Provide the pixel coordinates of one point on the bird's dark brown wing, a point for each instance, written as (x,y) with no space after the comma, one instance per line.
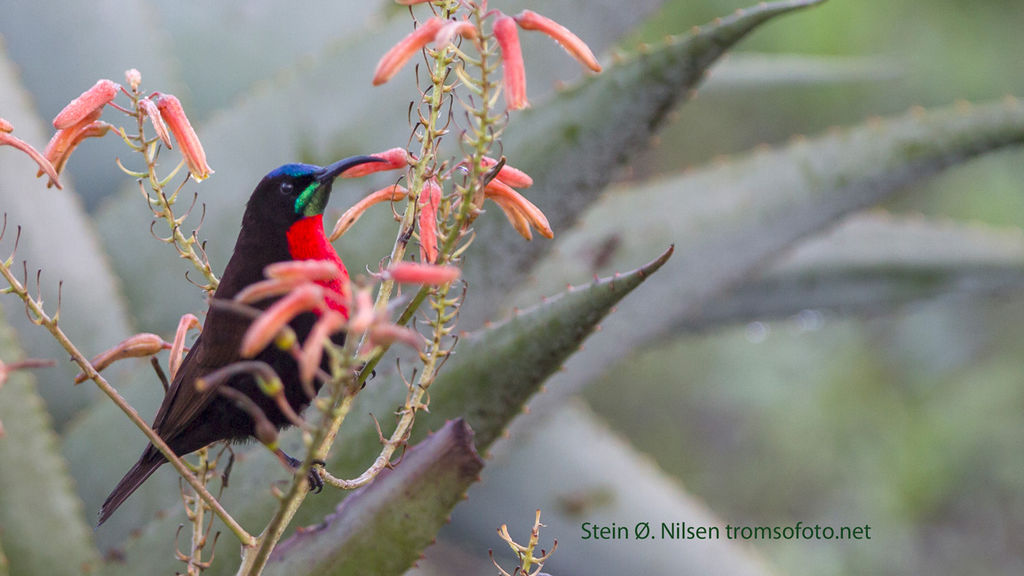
(216,347)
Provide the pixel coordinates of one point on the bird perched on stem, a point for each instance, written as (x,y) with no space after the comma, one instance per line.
(283,221)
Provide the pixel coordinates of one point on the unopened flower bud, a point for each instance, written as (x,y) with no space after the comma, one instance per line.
(137,346)
(133,78)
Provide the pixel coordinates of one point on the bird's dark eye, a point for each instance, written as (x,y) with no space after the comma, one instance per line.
(287,189)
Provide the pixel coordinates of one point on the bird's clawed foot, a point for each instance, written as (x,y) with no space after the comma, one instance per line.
(316,481)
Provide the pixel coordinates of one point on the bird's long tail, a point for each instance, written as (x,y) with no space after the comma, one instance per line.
(151,460)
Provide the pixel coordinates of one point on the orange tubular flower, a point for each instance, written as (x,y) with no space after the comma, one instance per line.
(8,139)
(394,159)
(400,53)
(390,194)
(430,200)
(65,141)
(578,49)
(513,202)
(308,270)
(173,114)
(137,346)
(385,334)
(265,328)
(507,35)
(449,31)
(153,113)
(92,100)
(414,273)
(313,349)
(187,322)
(514,177)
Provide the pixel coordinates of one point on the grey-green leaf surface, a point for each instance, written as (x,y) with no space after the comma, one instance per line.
(56,236)
(592,475)
(4,565)
(751,70)
(573,144)
(41,518)
(870,264)
(730,219)
(487,383)
(382,528)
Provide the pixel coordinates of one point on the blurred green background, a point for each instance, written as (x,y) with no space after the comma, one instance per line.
(907,418)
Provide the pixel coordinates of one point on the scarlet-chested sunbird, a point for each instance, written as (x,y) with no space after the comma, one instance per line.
(283,221)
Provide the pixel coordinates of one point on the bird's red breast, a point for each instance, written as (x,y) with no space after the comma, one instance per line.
(307,241)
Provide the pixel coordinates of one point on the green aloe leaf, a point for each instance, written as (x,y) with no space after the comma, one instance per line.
(382,528)
(4,565)
(728,220)
(573,144)
(39,509)
(872,263)
(750,70)
(487,383)
(57,236)
(592,475)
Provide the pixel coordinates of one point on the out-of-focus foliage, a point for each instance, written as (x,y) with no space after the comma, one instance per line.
(861,376)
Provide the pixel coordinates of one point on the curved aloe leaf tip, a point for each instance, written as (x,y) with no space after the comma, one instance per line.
(499,368)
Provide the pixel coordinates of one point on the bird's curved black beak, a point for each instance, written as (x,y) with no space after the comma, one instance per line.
(329,173)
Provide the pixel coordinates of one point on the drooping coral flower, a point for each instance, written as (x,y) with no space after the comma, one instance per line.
(520,212)
(392,193)
(64,141)
(394,159)
(153,113)
(137,346)
(418,273)
(400,53)
(507,35)
(429,202)
(8,139)
(92,100)
(514,177)
(191,148)
(578,49)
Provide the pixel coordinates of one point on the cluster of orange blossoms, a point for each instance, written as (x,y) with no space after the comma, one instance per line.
(440,32)
(80,119)
(304,287)
(521,213)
